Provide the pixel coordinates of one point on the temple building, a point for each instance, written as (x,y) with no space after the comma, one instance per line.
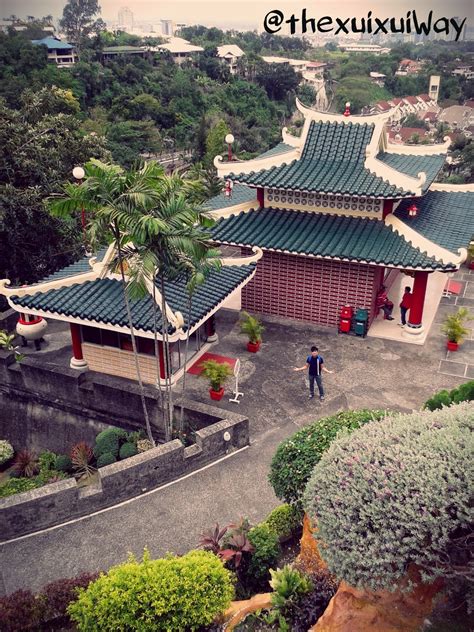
(338,212)
(88,295)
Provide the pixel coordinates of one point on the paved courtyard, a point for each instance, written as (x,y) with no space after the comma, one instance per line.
(368,372)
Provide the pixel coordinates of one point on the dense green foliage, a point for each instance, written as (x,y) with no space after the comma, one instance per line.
(394,493)
(295,458)
(265,555)
(106,458)
(63,463)
(463,393)
(6,451)
(284,520)
(109,440)
(170,594)
(128,449)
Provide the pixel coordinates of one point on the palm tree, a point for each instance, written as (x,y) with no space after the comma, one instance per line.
(171,253)
(117,204)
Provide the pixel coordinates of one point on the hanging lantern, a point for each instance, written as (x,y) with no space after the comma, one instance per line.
(347,111)
(229,185)
(412,210)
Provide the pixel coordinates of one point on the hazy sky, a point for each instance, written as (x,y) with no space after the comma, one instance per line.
(244,13)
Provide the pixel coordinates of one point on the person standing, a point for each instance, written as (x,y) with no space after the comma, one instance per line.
(405,305)
(315,366)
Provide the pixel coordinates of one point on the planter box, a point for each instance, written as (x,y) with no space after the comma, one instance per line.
(452,346)
(216,395)
(253,347)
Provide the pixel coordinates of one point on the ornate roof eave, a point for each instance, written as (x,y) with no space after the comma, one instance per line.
(401,266)
(452,188)
(99,270)
(395,177)
(328,117)
(420,150)
(257,164)
(423,244)
(180,332)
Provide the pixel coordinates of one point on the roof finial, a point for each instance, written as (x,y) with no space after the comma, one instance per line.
(347,111)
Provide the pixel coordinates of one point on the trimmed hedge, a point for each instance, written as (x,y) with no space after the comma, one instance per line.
(295,458)
(396,493)
(284,520)
(63,463)
(107,458)
(127,450)
(463,393)
(109,440)
(169,594)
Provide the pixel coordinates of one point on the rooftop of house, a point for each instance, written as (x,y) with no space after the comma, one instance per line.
(52,43)
(178,45)
(229,50)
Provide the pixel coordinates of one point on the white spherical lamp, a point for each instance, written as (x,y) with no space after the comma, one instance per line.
(229,139)
(78,173)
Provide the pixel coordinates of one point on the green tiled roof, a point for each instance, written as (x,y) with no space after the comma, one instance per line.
(412,165)
(240,194)
(332,161)
(102,300)
(79,267)
(444,217)
(323,235)
(281,148)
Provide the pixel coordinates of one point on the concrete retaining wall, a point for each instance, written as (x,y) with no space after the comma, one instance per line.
(44,406)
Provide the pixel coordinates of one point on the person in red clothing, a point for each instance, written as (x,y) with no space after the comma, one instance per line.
(384,304)
(405,305)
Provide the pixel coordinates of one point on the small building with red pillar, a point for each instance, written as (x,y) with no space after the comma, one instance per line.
(337,213)
(88,295)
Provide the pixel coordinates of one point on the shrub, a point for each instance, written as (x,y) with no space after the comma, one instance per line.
(6,451)
(109,441)
(143,445)
(26,463)
(396,493)
(81,457)
(305,609)
(174,593)
(463,393)
(128,449)
(57,595)
(252,327)
(106,459)
(296,457)
(47,461)
(284,520)
(288,584)
(17,486)
(20,611)
(264,557)
(63,463)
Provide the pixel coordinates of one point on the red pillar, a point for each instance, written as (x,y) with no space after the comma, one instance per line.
(417,302)
(261,197)
(211,329)
(162,360)
(77,360)
(76,341)
(387,208)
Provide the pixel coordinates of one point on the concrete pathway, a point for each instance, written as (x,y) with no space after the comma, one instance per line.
(369,372)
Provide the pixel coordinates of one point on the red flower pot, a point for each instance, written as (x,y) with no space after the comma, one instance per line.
(452,346)
(216,395)
(253,347)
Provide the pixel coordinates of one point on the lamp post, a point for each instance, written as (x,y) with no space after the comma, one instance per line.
(412,210)
(347,111)
(79,173)
(229,139)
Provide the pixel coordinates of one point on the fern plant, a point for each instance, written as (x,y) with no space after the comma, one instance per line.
(252,327)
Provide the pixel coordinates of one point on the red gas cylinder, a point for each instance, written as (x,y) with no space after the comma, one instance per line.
(347,312)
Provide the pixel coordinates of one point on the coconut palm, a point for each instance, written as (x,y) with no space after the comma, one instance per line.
(117,205)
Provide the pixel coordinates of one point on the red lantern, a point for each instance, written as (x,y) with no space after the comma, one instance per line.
(229,185)
(412,210)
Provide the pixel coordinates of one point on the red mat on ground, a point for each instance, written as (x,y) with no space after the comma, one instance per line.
(196,368)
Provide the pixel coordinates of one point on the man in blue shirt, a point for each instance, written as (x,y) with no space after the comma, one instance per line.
(315,366)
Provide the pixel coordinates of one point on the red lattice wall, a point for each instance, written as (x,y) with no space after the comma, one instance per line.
(304,288)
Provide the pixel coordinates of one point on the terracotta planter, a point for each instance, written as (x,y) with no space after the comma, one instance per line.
(253,347)
(216,395)
(452,346)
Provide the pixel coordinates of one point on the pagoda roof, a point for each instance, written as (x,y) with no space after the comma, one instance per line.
(444,217)
(240,195)
(340,155)
(89,292)
(327,236)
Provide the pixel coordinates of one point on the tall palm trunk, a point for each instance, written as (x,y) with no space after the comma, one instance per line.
(157,350)
(132,334)
(166,350)
(181,412)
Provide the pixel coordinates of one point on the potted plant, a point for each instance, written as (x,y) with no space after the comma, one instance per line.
(251,326)
(454,328)
(217,374)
